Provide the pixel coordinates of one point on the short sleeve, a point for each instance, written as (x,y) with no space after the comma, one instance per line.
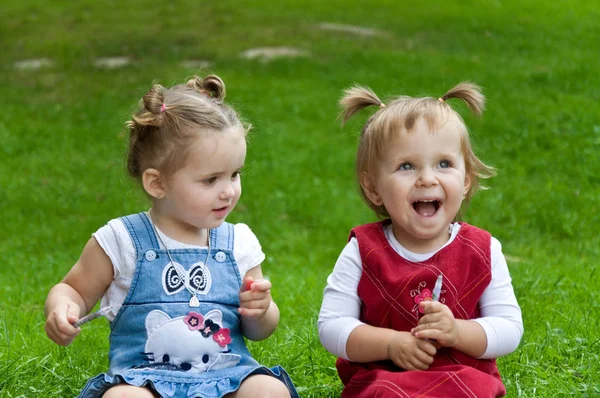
(246,249)
(118,246)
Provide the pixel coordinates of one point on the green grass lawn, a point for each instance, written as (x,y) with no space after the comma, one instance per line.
(62,149)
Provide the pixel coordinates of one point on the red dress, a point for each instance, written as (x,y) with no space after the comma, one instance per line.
(390,288)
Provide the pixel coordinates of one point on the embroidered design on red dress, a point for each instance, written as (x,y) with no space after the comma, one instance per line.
(422,294)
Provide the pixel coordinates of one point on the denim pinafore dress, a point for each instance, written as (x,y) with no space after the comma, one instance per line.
(158,340)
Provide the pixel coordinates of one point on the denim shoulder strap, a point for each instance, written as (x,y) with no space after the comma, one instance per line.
(222,237)
(141,231)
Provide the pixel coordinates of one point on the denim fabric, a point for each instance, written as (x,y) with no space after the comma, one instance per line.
(158,340)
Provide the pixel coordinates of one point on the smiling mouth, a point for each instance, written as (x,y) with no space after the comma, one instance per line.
(427,208)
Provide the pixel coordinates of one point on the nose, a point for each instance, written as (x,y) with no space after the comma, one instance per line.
(228,190)
(426,178)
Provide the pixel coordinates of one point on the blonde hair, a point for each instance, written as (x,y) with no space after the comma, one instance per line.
(401,115)
(168,119)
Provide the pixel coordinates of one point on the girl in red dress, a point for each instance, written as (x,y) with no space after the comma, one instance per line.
(396,334)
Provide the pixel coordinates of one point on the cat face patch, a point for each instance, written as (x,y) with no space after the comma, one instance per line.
(193,343)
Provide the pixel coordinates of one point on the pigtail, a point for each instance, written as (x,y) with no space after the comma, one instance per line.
(356,98)
(211,86)
(150,116)
(470,94)
(152,109)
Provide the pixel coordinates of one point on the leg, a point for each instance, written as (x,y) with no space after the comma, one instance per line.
(127,391)
(261,386)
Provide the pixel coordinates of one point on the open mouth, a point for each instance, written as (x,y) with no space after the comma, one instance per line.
(427,207)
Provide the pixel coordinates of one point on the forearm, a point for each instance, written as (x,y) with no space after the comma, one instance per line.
(64,292)
(259,328)
(368,343)
(471,338)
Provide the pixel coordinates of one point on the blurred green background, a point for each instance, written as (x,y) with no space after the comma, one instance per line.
(71,73)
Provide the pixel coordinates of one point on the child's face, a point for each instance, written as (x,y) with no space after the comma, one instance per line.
(203,192)
(421,181)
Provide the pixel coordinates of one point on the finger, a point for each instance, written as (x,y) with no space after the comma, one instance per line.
(423,357)
(59,338)
(254,296)
(65,327)
(256,304)
(429,318)
(430,306)
(53,327)
(248,312)
(72,313)
(418,365)
(428,347)
(426,326)
(261,285)
(247,284)
(431,334)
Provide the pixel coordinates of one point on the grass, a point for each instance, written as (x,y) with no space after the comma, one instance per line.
(63,144)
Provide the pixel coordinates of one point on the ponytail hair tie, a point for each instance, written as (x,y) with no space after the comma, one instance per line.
(382,105)
(441,100)
(163,108)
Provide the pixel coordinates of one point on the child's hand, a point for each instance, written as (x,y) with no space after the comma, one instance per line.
(437,324)
(409,352)
(255,297)
(59,323)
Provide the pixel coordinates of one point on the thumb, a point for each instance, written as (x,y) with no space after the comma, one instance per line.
(73,311)
(247,283)
(428,306)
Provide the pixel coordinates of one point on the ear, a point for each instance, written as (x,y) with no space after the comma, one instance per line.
(151,179)
(467,185)
(367,184)
(155,320)
(216,316)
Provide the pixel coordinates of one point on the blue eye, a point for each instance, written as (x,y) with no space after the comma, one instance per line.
(445,164)
(406,166)
(210,181)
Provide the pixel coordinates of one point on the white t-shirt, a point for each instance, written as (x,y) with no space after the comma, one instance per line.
(500,313)
(116,242)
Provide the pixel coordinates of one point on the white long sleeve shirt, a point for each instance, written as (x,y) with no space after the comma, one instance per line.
(500,313)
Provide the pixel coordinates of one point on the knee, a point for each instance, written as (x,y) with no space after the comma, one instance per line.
(279,390)
(275,389)
(262,386)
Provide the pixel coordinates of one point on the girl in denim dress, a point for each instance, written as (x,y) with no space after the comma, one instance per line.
(183,286)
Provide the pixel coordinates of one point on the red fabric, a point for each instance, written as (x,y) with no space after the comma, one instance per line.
(388,287)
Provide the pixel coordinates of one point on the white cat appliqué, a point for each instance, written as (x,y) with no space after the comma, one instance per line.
(192,343)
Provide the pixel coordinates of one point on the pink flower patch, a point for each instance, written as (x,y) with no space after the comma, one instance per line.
(424,296)
(194,321)
(222,337)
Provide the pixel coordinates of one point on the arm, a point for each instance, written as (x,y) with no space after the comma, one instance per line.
(501,317)
(344,335)
(369,344)
(77,294)
(260,314)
